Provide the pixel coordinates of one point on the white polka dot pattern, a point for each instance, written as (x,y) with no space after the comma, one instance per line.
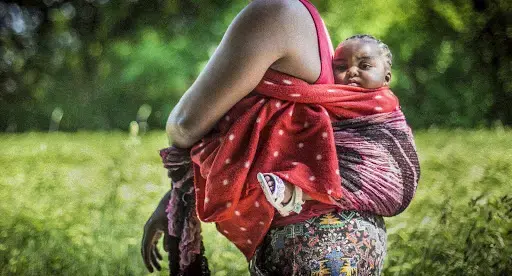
(290,125)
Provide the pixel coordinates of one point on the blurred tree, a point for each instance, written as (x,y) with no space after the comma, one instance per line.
(100,61)
(453,62)
(97,62)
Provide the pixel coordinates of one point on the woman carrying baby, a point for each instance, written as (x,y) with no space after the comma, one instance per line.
(252,110)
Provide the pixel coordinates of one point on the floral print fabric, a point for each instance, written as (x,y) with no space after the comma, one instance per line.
(345,243)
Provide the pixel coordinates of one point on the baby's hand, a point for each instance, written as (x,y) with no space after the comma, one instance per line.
(287,190)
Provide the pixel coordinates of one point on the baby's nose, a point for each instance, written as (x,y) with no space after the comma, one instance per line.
(352,71)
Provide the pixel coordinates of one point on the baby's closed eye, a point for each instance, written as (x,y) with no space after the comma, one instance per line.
(365,66)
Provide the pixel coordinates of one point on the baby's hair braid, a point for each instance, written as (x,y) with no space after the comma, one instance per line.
(382,45)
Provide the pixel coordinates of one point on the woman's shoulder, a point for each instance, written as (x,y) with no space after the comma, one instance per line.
(281,10)
(288,21)
(276,4)
(281,22)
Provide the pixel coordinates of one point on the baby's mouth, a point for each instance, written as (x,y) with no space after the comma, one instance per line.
(353,82)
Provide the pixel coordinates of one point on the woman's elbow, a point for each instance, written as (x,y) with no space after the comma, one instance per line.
(177,135)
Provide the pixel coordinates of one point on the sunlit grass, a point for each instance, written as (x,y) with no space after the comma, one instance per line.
(76,203)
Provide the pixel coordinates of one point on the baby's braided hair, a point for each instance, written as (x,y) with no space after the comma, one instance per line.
(382,45)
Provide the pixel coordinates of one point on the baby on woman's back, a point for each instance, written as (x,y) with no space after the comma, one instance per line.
(362,61)
(359,61)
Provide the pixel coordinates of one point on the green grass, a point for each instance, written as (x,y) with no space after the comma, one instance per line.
(76,203)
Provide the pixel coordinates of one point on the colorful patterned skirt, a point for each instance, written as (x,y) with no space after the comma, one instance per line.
(346,243)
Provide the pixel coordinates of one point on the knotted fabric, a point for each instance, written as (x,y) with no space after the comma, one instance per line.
(285,126)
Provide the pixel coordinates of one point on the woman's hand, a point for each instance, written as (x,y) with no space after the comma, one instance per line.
(155,227)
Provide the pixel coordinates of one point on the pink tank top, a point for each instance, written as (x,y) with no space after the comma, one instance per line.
(314,208)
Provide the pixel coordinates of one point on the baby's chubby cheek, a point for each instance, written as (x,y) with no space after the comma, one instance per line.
(338,78)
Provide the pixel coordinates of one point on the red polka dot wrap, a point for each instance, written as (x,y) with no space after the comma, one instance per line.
(283,127)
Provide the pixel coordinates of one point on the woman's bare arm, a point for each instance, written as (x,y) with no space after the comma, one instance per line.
(254,41)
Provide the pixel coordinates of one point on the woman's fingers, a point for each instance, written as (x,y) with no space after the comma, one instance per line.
(166,241)
(149,246)
(146,248)
(157,237)
(153,231)
(157,253)
(154,259)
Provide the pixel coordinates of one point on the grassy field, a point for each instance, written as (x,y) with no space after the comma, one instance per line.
(75,204)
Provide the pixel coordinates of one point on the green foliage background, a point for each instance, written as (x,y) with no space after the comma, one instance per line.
(75,204)
(95,64)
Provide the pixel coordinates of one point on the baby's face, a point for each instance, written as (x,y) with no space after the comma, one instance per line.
(360,63)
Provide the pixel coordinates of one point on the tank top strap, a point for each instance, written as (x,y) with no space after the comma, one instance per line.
(324,45)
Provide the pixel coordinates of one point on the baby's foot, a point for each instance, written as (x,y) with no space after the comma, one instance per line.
(287,189)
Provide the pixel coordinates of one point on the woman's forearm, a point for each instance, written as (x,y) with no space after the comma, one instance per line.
(160,210)
(165,199)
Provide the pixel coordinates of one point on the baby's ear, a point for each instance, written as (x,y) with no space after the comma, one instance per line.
(387,78)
